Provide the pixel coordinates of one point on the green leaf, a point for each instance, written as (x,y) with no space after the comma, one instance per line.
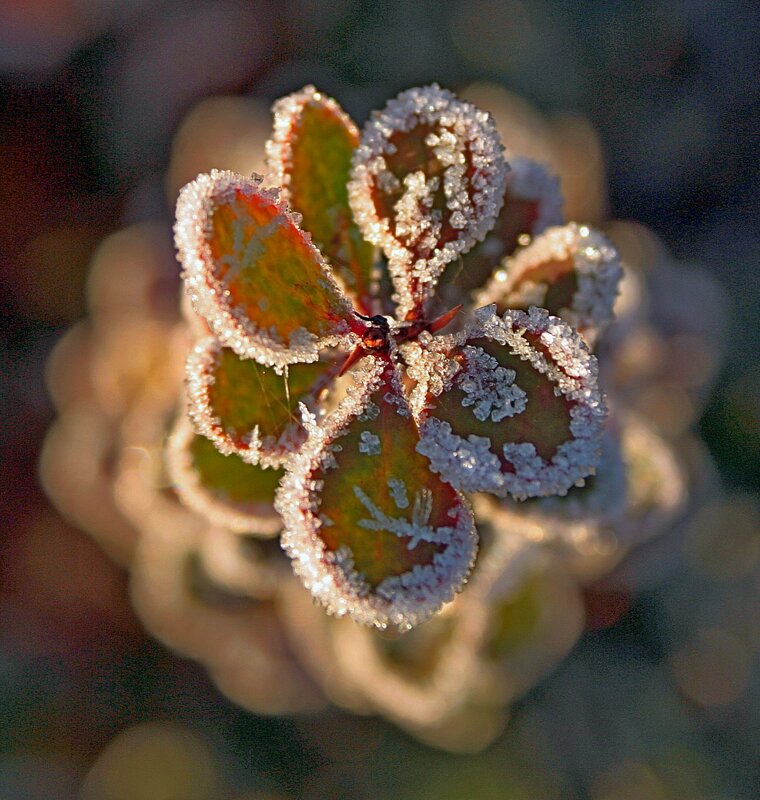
(254,275)
(247,408)
(373,532)
(427,183)
(310,158)
(508,406)
(223,488)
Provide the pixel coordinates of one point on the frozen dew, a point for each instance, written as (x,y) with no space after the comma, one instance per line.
(532,203)
(246,408)
(232,494)
(397,488)
(427,183)
(369,443)
(428,365)
(309,158)
(287,113)
(573,271)
(490,388)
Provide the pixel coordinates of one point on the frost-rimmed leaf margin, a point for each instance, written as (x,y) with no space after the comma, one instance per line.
(187,483)
(528,183)
(359,272)
(531,180)
(401,602)
(253,448)
(286,110)
(592,260)
(209,295)
(469,464)
(414,280)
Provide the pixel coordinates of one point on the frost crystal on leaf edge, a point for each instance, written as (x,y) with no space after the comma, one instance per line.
(196,497)
(469,464)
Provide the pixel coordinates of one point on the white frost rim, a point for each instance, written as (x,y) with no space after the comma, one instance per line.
(468,463)
(476,212)
(264,523)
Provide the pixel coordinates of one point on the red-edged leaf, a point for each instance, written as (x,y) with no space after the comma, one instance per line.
(372,531)
(427,182)
(508,406)
(247,408)
(310,158)
(223,488)
(255,276)
(572,271)
(532,203)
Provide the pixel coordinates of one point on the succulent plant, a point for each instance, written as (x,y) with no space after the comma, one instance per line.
(289,283)
(410,401)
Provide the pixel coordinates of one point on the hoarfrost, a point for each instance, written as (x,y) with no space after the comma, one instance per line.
(397,489)
(369,443)
(596,265)
(470,464)
(261,520)
(490,388)
(417,529)
(401,601)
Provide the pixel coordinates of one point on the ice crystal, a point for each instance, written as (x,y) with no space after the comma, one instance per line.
(369,443)
(490,388)
(573,270)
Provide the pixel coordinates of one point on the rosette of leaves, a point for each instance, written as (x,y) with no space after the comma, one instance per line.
(323,386)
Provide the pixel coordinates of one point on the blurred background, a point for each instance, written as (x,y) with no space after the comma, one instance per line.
(106,108)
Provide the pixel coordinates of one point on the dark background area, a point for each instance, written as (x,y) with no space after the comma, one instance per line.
(90,96)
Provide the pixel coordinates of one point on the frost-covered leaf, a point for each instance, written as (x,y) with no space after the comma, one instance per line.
(223,488)
(572,271)
(532,203)
(427,182)
(255,276)
(372,531)
(310,158)
(509,405)
(247,408)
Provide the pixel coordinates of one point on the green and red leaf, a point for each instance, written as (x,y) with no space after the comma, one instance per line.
(309,157)
(254,275)
(427,183)
(247,408)
(223,488)
(532,203)
(572,271)
(509,405)
(372,531)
